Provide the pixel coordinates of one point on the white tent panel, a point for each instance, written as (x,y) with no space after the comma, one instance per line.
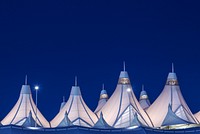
(78,112)
(102,100)
(171,95)
(197,116)
(144,99)
(22,108)
(123,105)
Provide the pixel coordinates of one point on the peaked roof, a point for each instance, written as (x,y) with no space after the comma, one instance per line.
(29,121)
(144,99)
(101,123)
(21,110)
(102,100)
(120,109)
(172,119)
(171,95)
(65,122)
(78,112)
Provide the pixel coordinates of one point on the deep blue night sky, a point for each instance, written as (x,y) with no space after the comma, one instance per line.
(54,41)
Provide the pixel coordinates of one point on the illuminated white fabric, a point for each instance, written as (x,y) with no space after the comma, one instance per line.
(171,95)
(21,110)
(197,116)
(120,109)
(78,112)
(102,101)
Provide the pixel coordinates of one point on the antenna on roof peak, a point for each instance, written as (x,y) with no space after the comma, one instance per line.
(172,67)
(63,98)
(142,87)
(75,80)
(26,80)
(103,86)
(124,65)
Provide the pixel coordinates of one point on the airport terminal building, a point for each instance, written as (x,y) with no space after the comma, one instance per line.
(119,113)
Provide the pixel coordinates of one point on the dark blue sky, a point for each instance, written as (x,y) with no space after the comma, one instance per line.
(53,41)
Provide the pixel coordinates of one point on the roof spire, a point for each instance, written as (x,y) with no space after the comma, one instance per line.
(26,80)
(124,65)
(172,67)
(103,86)
(63,98)
(75,80)
(142,87)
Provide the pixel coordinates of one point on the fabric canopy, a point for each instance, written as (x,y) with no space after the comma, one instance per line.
(171,95)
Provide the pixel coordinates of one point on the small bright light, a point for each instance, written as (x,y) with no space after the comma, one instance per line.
(128,89)
(133,127)
(34,128)
(36,87)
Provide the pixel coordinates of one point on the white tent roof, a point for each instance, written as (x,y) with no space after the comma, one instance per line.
(120,109)
(171,95)
(144,99)
(22,110)
(102,100)
(197,115)
(78,112)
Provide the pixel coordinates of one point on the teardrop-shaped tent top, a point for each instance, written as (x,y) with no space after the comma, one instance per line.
(144,99)
(63,103)
(78,112)
(21,110)
(121,107)
(171,95)
(102,100)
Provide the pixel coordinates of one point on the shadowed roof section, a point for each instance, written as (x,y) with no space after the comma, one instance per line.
(101,123)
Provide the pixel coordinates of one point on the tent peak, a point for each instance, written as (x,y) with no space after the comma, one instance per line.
(76,81)
(172,67)
(172,74)
(103,91)
(26,80)
(124,66)
(142,87)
